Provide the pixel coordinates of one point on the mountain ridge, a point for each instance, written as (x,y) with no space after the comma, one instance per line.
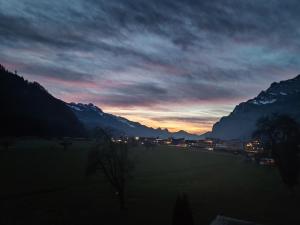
(28,109)
(281,97)
(92,116)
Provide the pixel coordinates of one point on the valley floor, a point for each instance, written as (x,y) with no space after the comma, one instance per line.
(43,184)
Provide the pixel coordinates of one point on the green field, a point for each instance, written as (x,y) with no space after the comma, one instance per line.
(43,184)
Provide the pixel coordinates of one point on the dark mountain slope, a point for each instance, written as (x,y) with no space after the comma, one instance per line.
(281,98)
(27,109)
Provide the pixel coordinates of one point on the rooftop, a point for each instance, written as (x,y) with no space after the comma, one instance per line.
(222,220)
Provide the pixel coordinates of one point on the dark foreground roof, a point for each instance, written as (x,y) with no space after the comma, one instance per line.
(222,220)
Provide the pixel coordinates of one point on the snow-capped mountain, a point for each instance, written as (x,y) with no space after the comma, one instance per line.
(92,116)
(282,98)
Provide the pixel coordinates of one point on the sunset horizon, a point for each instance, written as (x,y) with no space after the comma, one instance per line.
(148,63)
(197,121)
(150,112)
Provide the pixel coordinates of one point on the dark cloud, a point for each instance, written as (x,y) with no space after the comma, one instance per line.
(156,52)
(54,71)
(135,95)
(58,73)
(149,94)
(21,30)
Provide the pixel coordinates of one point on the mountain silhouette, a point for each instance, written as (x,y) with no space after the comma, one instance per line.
(281,98)
(92,116)
(27,109)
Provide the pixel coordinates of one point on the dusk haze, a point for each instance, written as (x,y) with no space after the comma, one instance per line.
(156,112)
(179,65)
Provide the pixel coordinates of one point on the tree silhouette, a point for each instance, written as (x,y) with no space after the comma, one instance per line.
(29,110)
(182,213)
(113,160)
(281,134)
(2,68)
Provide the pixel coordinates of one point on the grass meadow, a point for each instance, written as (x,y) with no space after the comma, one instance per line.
(41,183)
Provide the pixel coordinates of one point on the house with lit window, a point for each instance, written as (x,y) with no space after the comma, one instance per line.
(253,146)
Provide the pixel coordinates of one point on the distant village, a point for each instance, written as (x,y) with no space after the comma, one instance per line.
(252,150)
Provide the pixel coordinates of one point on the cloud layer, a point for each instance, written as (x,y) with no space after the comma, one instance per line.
(192,59)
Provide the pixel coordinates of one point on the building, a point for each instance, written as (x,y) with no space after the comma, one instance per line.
(229,145)
(179,142)
(161,141)
(206,144)
(254,146)
(266,161)
(147,140)
(222,220)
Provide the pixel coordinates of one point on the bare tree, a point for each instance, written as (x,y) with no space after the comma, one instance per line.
(281,134)
(113,160)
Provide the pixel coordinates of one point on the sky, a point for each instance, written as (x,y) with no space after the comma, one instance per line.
(176,64)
